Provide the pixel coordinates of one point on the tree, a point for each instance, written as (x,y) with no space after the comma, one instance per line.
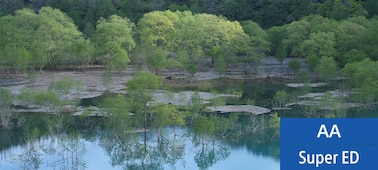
(348,41)
(16,45)
(141,89)
(155,29)
(319,44)
(5,108)
(294,65)
(55,33)
(363,76)
(158,59)
(242,47)
(275,36)
(340,9)
(312,61)
(298,32)
(327,68)
(113,40)
(280,98)
(204,127)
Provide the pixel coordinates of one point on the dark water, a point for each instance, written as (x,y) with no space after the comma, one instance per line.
(66,142)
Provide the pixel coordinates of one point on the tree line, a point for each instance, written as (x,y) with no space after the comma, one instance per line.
(185,40)
(160,39)
(85,13)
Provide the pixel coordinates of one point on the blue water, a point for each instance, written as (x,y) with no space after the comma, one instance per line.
(89,154)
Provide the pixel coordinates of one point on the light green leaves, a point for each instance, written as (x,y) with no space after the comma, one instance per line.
(113,39)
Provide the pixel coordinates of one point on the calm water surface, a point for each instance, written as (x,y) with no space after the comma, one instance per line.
(88,144)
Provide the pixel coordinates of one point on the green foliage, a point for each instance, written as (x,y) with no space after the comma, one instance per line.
(117,109)
(298,32)
(143,82)
(65,86)
(155,29)
(140,92)
(294,65)
(217,100)
(274,123)
(203,127)
(327,68)
(319,44)
(196,104)
(47,99)
(37,39)
(167,115)
(226,127)
(221,65)
(339,9)
(275,36)
(280,98)
(192,69)
(6,115)
(281,53)
(363,76)
(55,33)
(312,61)
(113,40)
(115,105)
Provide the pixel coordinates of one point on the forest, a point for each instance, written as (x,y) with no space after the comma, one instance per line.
(336,37)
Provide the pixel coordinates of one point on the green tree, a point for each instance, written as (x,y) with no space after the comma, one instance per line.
(158,59)
(319,44)
(203,127)
(55,33)
(327,68)
(242,47)
(65,86)
(5,108)
(280,98)
(298,32)
(155,29)
(363,76)
(16,45)
(275,36)
(141,90)
(312,61)
(113,40)
(294,65)
(339,9)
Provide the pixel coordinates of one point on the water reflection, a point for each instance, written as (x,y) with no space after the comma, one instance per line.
(64,151)
(64,143)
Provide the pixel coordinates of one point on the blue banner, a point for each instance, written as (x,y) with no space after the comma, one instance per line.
(329,144)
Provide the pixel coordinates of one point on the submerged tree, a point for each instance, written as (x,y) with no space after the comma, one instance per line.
(141,90)
(5,108)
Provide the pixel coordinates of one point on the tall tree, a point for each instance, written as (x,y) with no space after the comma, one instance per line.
(319,44)
(113,40)
(141,89)
(155,29)
(298,32)
(55,33)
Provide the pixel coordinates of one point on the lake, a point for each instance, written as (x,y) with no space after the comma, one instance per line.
(97,148)
(67,142)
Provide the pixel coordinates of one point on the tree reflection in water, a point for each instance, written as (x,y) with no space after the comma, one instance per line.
(208,139)
(130,151)
(64,151)
(210,154)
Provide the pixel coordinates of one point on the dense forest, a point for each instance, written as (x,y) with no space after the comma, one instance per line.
(336,37)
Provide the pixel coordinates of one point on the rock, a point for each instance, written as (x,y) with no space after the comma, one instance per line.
(184,98)
(281,108)
(296,85)
(256,110)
